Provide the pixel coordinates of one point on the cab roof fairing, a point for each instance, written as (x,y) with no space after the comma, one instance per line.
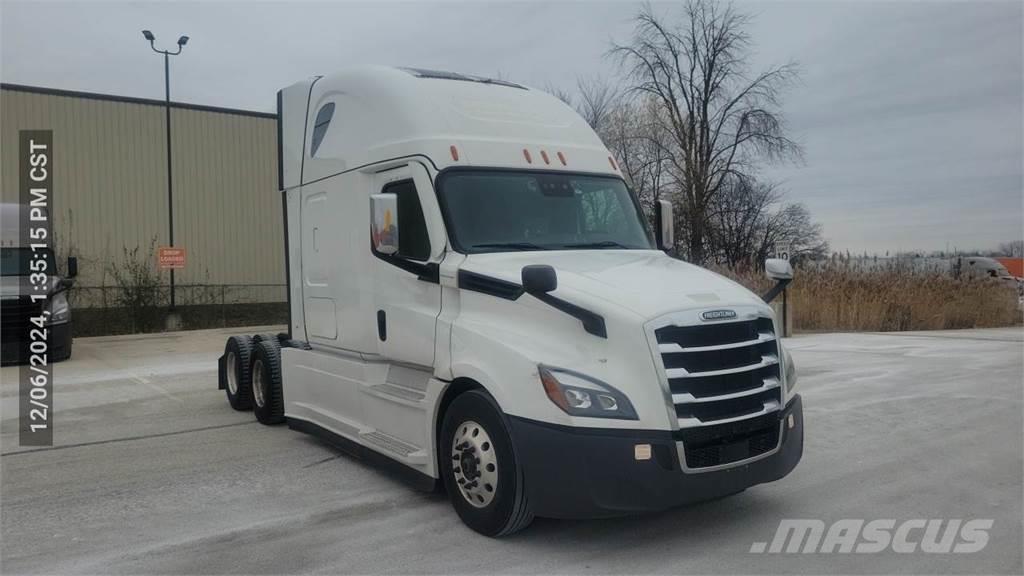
(383,113)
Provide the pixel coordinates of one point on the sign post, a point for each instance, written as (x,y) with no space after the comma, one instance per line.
(782,252)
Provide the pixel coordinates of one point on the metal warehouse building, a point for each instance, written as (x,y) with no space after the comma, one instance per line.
(110,184)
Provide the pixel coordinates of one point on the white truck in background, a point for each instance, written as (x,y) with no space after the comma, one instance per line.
(981,267)
(476,299)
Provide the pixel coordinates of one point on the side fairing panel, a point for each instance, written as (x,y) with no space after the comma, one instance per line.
(292,104)
(294,231)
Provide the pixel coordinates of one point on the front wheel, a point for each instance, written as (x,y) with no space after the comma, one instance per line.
(481,474)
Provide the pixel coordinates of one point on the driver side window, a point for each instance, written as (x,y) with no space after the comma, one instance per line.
(413,241)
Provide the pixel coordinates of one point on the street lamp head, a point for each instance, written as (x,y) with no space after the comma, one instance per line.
(149,35)
(183,40)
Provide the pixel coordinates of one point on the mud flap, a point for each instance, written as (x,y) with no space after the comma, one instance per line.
(222,373)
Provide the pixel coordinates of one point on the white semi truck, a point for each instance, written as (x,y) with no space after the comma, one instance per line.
(477,299)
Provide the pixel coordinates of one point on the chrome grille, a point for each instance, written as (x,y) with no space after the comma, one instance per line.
(721,372)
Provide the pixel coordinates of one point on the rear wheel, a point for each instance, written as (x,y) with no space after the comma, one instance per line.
(481,474)
(268,398)
(238,360)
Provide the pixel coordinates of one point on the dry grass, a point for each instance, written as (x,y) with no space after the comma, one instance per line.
(839,297)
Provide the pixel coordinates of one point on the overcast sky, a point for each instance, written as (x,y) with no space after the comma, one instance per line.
(910,112)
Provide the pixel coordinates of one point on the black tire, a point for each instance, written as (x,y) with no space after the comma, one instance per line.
(241,348)
(257,338)
(266,370)
(509,509)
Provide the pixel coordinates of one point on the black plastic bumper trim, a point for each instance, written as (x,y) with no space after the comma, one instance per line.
(592,473)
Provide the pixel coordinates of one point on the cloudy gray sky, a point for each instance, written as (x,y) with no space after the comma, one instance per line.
(910,112)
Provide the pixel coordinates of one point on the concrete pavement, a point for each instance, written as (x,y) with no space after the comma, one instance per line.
(153,473)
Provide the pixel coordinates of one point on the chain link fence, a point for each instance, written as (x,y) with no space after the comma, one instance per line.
(101,310)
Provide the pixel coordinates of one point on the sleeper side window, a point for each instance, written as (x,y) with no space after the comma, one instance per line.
(413,241)
(323,120)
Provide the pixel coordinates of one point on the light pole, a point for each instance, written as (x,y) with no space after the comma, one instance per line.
(182,40)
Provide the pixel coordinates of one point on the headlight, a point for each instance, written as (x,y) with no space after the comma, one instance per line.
(59,309)
(580,395)
(790,371)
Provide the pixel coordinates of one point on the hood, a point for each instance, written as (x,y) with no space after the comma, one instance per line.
(15,286)
(646,282)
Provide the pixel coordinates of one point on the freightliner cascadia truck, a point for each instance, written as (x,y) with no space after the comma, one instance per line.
(477,300)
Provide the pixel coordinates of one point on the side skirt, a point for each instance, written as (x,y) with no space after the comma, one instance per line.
(408,475)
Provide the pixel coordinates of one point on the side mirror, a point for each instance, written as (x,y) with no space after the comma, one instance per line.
(384,223)
(539,279)
(72,267)
(665,223)
(778,269)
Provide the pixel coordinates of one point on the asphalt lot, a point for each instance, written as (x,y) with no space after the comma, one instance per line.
(152,472)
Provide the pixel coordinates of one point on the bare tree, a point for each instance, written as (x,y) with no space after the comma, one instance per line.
(595,99)
(718,120)
(1013,249)
(792,223)
(632,132)
(747,220)
(739,221)
(598,99)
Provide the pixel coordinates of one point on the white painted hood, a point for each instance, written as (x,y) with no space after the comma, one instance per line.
(646,282)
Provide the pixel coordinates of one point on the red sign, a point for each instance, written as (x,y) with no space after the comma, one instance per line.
(170,258)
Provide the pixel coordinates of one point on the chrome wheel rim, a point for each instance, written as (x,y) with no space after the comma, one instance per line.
(232,362)
(474,464)
(259,385)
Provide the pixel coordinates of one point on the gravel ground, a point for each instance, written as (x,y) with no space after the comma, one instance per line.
(153,473)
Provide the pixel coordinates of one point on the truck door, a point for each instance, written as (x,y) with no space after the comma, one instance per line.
(318,256)
(406,290)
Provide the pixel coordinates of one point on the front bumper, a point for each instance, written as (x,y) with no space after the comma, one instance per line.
(592,473)
(15,344)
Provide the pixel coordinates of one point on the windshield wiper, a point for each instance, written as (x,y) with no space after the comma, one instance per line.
(602,244)
(512,245)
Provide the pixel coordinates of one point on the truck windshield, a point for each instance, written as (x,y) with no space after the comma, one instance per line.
(14,261)
(503,211)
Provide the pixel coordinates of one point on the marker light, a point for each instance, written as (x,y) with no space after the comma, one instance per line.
(612,162)
(526,154)
(553,390)
(791,374)
(544,155)
(561,157)
(455,152)
(642,452)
